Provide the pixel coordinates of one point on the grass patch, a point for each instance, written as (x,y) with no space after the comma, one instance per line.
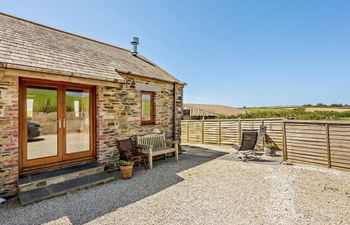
(146,109)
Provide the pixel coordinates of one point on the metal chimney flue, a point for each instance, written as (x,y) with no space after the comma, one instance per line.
(135,42)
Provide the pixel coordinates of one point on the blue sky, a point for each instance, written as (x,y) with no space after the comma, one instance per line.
(238,52)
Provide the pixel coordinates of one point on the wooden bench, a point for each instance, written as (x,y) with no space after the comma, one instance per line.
(155,145)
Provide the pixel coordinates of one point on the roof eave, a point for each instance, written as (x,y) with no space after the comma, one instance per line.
(60,72)
(148,77)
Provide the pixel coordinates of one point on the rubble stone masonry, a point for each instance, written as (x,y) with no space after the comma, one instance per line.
(119,113)
(8,133)
(118,116)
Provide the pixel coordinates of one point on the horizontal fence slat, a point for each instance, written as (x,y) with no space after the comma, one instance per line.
(325,143)
(308,161)
(228,131)
(303,142)
(308,142)
(308,157)
(307,148)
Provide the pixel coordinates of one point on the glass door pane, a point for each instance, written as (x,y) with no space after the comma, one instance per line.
(42,139)
(77,121)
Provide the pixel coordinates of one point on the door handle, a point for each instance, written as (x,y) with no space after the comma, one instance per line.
(64,123)
(59,123)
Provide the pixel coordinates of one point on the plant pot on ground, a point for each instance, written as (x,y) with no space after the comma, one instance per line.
(126,168)
(270,149)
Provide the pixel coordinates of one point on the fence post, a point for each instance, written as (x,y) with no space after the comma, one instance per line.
(188,132)
(328,146)
(202,130)
(262,125)
(219,140)
(285,157)
(239,131)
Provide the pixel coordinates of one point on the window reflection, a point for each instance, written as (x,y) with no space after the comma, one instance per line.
(77,121)
(41,123)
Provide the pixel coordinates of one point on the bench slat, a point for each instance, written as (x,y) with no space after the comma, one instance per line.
(162,152)
(156,141)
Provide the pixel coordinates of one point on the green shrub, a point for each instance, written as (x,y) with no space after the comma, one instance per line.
(125,163)
(297,114)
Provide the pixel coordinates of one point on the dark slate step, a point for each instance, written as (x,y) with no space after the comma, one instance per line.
(59,172)
(40,180)
(32,196)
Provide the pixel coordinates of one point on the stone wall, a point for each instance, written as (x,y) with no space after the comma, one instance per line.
(8,133)
(179,110)
(119,114)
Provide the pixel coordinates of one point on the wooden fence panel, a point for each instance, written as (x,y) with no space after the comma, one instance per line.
(229,132)
(274,130)
(325,143)
(184,132)
(195,132)
(211,132)
(340,145)
(307,143)
(251,124)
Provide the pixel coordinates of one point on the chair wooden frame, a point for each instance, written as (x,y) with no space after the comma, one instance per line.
(130,152)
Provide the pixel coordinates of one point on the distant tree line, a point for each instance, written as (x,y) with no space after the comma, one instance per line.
(297,113)
(330,105)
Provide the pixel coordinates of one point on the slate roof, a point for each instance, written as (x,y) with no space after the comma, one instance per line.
(26,44)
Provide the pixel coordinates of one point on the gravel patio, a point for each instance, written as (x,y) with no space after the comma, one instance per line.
(206,187)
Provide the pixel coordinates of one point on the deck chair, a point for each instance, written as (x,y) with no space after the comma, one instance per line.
(247,149)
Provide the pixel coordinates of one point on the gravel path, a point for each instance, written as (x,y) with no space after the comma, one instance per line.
(282,207)
(205,187)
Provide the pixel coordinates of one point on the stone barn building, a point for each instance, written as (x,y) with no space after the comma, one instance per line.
(65,99)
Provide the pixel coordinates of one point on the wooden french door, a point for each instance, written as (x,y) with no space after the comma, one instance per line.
(57,123)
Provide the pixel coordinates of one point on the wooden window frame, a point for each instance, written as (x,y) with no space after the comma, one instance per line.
(152,121)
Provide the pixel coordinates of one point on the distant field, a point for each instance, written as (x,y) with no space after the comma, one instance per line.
(326,109)
(269,109)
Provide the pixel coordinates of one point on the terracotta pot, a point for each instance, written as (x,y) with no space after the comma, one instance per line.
(126,171)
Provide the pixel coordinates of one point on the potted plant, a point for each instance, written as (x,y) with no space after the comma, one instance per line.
(126,168)
(270,149)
